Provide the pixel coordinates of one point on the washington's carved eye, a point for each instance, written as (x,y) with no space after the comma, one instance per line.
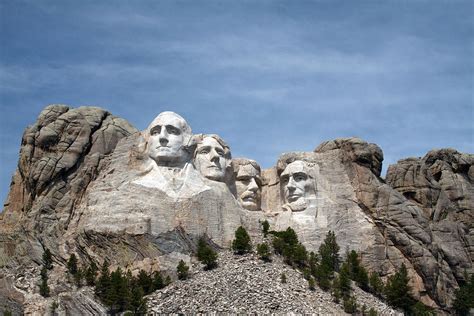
(220,152)
(155,130)
(173,130)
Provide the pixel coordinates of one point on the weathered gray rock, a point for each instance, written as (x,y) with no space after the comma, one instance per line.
(442,186)
(247,285)
(60,155)
(85,184)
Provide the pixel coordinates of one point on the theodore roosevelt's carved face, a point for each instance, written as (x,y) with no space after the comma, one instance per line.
(212,158)
(249,186)
(297,185)
(168,135)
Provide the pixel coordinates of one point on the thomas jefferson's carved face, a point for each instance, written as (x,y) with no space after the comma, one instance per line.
(248,185)
(167,137)
(297,185)
(210,159)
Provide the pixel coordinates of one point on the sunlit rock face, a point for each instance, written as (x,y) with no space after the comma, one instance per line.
(91,184)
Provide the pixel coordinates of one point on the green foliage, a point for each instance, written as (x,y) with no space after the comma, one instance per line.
(182,269)
(344,283)
(44,287)
(90,274)
(299,255)
(54,306)
(103,283)
(350,304)
(397,290)
(144,281)
(311,283)
(47,259)
(372,312)
(78,276)
(158,282)
(356,271)
(286,244)
(137,302)
(376,284)
(464,297)
(206,255)
(263,252)
(283,277)
(72,264)
(265,228)
(323,275)
(241,244)
(329,252)
(7,312)
(420,309)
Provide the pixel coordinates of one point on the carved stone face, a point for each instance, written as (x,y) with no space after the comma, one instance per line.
(168,134)
(210,159)
(297,185)
(248,185)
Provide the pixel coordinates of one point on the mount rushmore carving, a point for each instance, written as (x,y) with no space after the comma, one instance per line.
(91,184)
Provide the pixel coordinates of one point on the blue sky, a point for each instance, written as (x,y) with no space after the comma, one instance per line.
(268,76)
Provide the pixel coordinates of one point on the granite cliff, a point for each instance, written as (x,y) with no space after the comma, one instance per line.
(89,183)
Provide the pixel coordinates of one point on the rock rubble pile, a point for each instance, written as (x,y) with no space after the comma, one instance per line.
(246,284)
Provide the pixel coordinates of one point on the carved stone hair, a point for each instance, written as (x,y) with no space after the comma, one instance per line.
(200,137)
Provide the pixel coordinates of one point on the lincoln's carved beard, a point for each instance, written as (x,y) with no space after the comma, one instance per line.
(297,206)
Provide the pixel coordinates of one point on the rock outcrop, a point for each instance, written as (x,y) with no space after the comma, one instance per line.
(91,184)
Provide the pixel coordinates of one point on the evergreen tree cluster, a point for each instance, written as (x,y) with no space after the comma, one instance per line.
(242,243)
(286,243)
(121,291)
(206,255)
(47,265)
(464,297)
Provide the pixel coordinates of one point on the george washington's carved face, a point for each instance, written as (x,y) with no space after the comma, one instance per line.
(168,135)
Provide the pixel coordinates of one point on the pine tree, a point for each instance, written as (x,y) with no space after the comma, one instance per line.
(158,282)
(119,295)
(182,269)
(397,290)
(299,255)
(206,255)
(103,283)
(78,276)
(91,274)
(376,284)
(44,287)
(323,275)
(311,283)
(464,297)
(263,252)
(265,228)
(350,304)
(72,264)
(356,271)
(47,259)
(137,301)
(344,280)
(241,244)
(329,252)
(145,281)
